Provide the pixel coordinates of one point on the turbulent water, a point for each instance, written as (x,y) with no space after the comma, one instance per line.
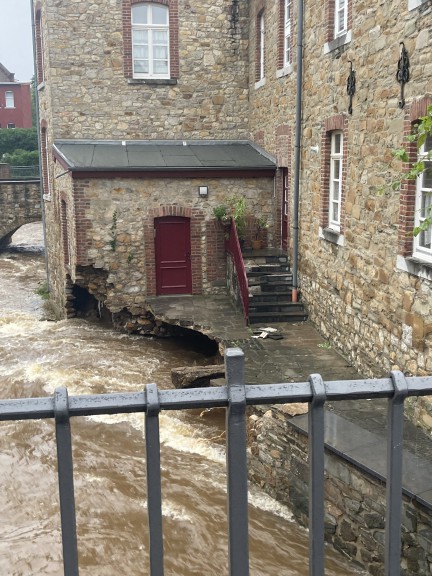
(36,356)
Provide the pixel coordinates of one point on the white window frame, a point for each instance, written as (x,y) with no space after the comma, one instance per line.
(9,99)
(150,28)
(336,157)
(262,46)
(423,196)
(11,126)
(287,33)
(340,15)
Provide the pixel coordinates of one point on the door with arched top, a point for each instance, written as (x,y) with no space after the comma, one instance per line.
(173,255)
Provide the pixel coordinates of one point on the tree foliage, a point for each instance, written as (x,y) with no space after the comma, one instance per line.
(21,158)
(18,139)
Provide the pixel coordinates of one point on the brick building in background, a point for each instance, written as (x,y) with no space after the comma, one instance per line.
(15,101)
(121,75)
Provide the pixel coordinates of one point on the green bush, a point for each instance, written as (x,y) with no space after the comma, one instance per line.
(21,158)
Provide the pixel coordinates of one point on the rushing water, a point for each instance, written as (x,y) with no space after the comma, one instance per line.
(36,356)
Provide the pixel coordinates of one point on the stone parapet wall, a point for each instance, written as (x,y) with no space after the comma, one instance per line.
(355,502)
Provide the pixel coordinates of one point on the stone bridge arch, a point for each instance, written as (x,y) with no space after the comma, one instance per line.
(20,203)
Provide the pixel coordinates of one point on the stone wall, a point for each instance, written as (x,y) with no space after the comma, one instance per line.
(355,502)
(20,204)
(358,295)
(111,228)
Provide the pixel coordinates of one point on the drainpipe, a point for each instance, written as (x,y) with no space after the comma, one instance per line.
(296,193)
(36,97)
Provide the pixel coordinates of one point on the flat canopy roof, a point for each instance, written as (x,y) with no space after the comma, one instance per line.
(161,156)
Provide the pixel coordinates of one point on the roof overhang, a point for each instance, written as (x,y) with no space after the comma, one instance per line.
(159,158)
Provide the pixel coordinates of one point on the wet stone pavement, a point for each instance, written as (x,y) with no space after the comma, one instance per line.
(360,424)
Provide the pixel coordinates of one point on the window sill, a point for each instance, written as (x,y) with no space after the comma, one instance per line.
(332,236)
(337,42)
(260,83)
(284,71)
(415,266)
(41,86)
(153,81)
(47,197)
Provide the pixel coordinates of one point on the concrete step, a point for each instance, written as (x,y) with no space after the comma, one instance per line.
(267,269)
(271,296)
(269,317)
(275,306)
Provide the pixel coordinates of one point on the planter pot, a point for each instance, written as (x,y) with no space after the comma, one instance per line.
(256,244)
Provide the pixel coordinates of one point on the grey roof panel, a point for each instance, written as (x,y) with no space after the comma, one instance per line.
(170,155)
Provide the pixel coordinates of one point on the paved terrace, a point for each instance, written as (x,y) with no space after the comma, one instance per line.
(355,429)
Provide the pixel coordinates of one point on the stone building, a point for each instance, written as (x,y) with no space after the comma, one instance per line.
(120,75)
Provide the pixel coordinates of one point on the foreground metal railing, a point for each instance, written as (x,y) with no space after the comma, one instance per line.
(232,246)
(235,397)
(24,172)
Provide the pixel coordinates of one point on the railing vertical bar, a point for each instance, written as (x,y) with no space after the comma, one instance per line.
(237,484)
(154,490)
(316,476)
(66,483)
(394,475)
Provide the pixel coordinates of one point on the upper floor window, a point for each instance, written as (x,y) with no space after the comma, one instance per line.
(287,34)
(423,241)
(260,49)
(9,99)
(335,181)
(150,41)
(338,27)
(341,17)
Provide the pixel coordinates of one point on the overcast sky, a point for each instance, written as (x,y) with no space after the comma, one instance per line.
(16,52)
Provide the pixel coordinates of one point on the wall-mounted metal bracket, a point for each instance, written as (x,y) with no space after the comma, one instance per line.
(403,73)
(351,87)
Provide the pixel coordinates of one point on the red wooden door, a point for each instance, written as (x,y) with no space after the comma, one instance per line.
(173,255)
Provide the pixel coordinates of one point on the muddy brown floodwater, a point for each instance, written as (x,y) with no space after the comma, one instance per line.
(36,356)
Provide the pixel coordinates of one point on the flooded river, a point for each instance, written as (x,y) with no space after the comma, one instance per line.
(36,356)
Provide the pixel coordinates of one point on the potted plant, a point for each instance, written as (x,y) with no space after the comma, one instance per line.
(237,209)
(222,214)
(261,224)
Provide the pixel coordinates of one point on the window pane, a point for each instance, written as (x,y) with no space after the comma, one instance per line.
(9,99)
(140,37)
(337,139)
(427,176)
(336,189)
(160,53)
(428,144)
(140,52)
(160,67)
(159,15)
(141,66)
(160,37)
(425,238)
(139,14)
(335,216)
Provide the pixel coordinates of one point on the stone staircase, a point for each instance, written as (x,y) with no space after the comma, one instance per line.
(270,288)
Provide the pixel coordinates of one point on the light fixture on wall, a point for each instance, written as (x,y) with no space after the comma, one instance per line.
(203,191)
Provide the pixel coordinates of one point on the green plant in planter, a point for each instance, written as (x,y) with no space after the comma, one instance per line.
(221,213)
(237,209)
(261,224)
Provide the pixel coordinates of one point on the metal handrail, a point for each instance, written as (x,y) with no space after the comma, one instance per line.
(232,246)
(234,397)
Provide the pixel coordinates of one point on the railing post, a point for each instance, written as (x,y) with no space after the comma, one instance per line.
(66,483)
(394,474)
(154,491)
(316,476)
(237,483)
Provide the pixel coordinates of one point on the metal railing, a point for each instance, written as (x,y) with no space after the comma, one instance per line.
(24,172)
(236,396)
(232,246)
